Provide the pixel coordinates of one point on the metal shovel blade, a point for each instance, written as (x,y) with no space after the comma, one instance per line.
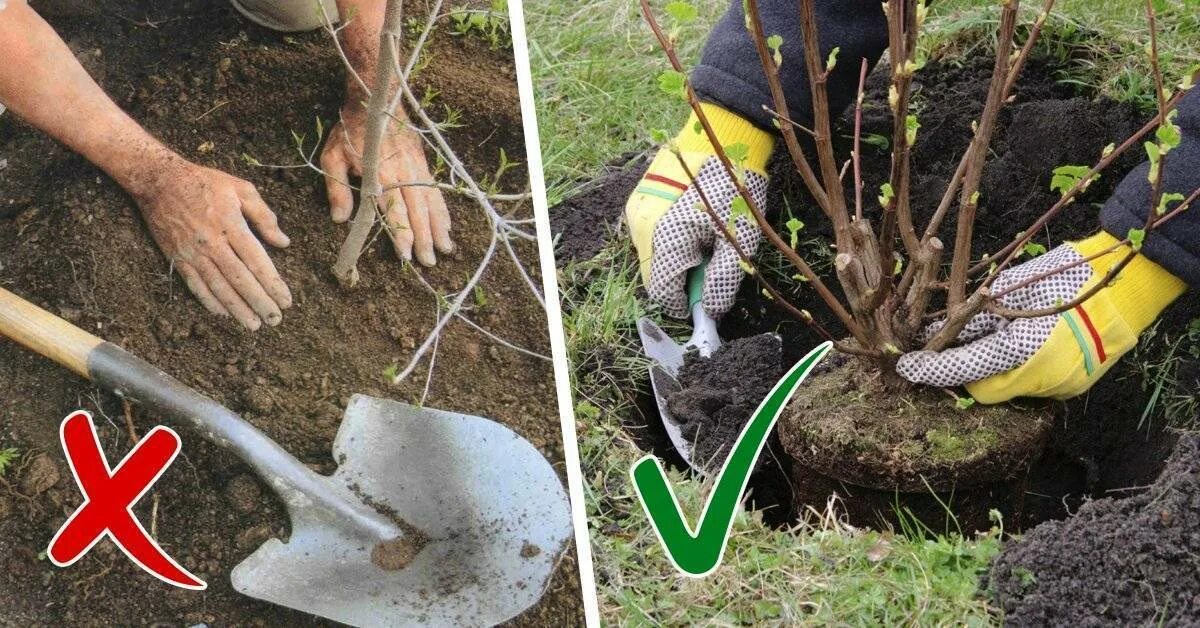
(495,512)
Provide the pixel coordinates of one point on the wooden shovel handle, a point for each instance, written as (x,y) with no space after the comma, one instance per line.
(46,334)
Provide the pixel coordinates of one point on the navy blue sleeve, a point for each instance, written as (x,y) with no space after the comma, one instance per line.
(1176,245)
(730,73)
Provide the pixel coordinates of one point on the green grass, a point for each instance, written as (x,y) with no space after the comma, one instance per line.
(595,70)
(7,457)
(1111,34)
(820,572)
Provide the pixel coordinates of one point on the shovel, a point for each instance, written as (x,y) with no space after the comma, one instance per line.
(667,357)
(492,508)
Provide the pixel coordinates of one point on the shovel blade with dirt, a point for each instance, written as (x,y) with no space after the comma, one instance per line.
(432,518)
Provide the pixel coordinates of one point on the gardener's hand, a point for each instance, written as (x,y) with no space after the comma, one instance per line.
(198,218)
(1057,356)
(670,227)
(416,215)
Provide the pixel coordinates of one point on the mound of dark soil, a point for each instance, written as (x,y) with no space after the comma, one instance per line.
(1127,562)
(587,220)
(717,397)
(216,87)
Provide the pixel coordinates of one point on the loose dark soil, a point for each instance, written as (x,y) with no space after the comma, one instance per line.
(1100,445)
(717,398)
(1126,562)
(216,87)
(587,221)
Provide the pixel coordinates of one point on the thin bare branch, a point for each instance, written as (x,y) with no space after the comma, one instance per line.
(969,199)
(771,69)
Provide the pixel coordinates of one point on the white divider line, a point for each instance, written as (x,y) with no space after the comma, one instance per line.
(558,343)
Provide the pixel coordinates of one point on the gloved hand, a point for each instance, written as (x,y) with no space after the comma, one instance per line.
(669,226)
(1059,356)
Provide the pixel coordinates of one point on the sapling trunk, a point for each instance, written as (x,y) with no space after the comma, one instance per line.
(378,119)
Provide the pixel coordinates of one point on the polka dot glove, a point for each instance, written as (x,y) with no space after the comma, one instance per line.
(670,227)
(1058,356)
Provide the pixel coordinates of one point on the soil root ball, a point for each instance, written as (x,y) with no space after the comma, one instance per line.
(845,424)
(1133,561)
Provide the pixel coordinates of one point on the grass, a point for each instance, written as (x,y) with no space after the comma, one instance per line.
(595,70)
(7,457)
(1111,34)
(1173,399)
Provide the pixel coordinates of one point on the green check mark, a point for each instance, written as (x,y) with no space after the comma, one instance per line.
(697,552)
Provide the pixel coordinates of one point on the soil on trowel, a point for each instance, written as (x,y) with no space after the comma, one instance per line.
(1100,442)
(220,89)
(716,397)
(1120,562)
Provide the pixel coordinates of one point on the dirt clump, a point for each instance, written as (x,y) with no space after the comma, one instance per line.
(529,550)
(40,476)
(719,394)
(399,552)
(1132,561)
(845,423)
(884,452)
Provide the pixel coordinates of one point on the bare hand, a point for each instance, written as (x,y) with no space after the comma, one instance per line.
(417,218)
(198,218)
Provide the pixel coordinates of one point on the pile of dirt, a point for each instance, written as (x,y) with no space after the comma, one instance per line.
(587,220)
(216,87)
(1126,562)
(717,398)
(1099,442)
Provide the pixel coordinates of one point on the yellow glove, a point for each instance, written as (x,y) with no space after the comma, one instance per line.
(1059,356)
(667,221)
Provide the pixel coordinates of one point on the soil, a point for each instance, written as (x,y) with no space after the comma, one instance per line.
(216,87)
(716,399)
(587,221)
(397,553)
(1124,562)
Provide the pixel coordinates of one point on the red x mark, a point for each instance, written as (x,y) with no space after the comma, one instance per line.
(109,498)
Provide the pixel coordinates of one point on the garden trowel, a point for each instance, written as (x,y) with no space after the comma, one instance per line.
(667,357)
(432,518)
